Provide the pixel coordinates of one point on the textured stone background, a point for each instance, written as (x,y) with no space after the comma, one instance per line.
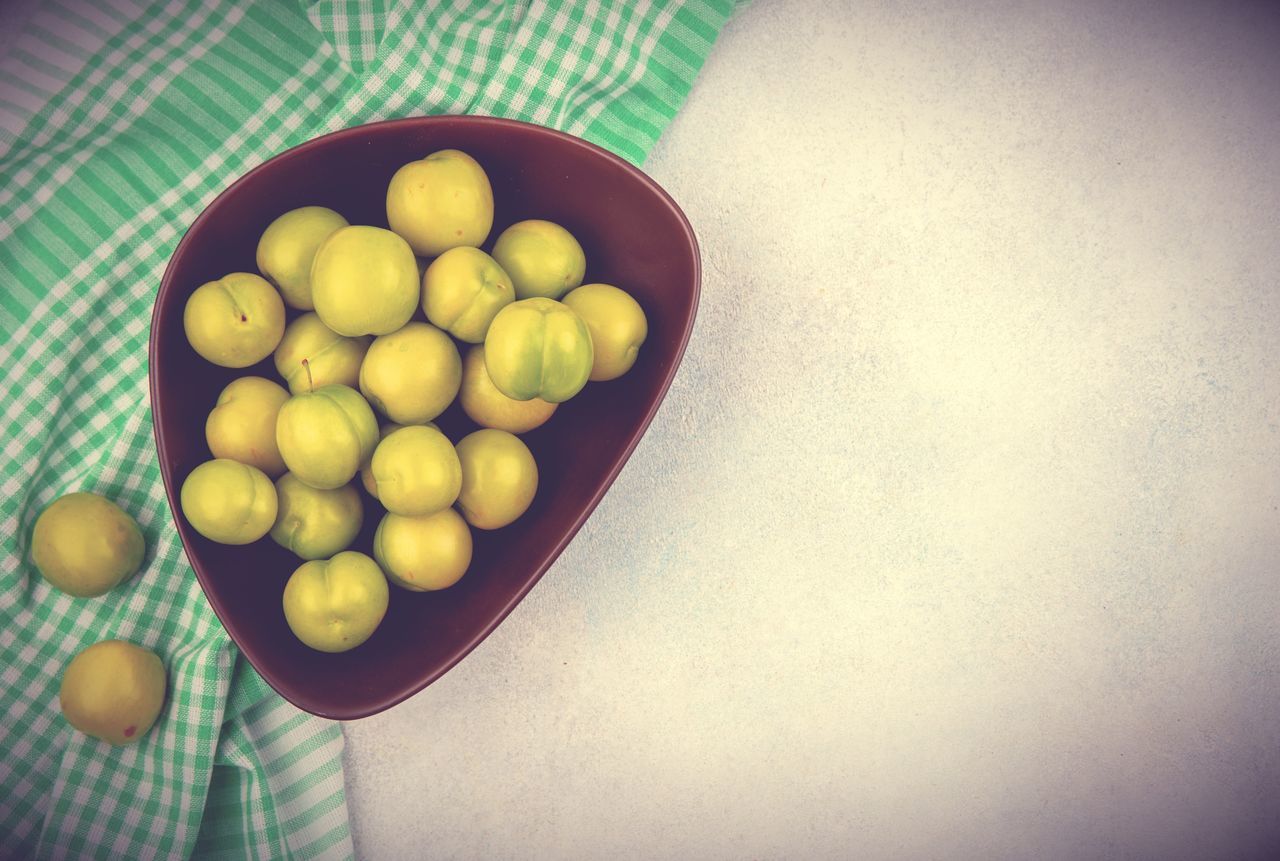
(958,533)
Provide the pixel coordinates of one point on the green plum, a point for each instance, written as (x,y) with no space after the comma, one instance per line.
(313,523)
(235,321)
(325,435)
(335,605)
(113,690)
(85,545)
(542,258)
(413,374)
(288,246)
(499,478)
(364,281)
(462,290)
(440,202)
(416,471)
(617,325)
(312,355)
(538,348)
(425,552)
(242,425)
(229,502)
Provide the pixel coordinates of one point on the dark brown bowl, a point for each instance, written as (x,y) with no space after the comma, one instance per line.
(634,236)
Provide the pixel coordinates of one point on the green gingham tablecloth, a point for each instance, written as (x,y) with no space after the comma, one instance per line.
(119,122)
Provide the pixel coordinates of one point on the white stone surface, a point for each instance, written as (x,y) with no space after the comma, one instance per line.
(958,534)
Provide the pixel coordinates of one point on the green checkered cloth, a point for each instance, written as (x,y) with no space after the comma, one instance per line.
(118,124)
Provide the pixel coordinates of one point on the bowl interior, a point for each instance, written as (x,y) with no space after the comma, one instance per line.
(634,236)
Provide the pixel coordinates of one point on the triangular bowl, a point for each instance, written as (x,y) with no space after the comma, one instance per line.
(634,236)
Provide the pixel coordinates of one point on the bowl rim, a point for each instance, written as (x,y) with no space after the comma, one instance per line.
(382,703)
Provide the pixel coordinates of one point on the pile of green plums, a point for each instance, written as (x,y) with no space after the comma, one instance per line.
(511,334)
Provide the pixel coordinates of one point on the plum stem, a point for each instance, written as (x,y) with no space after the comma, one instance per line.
(311,384)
